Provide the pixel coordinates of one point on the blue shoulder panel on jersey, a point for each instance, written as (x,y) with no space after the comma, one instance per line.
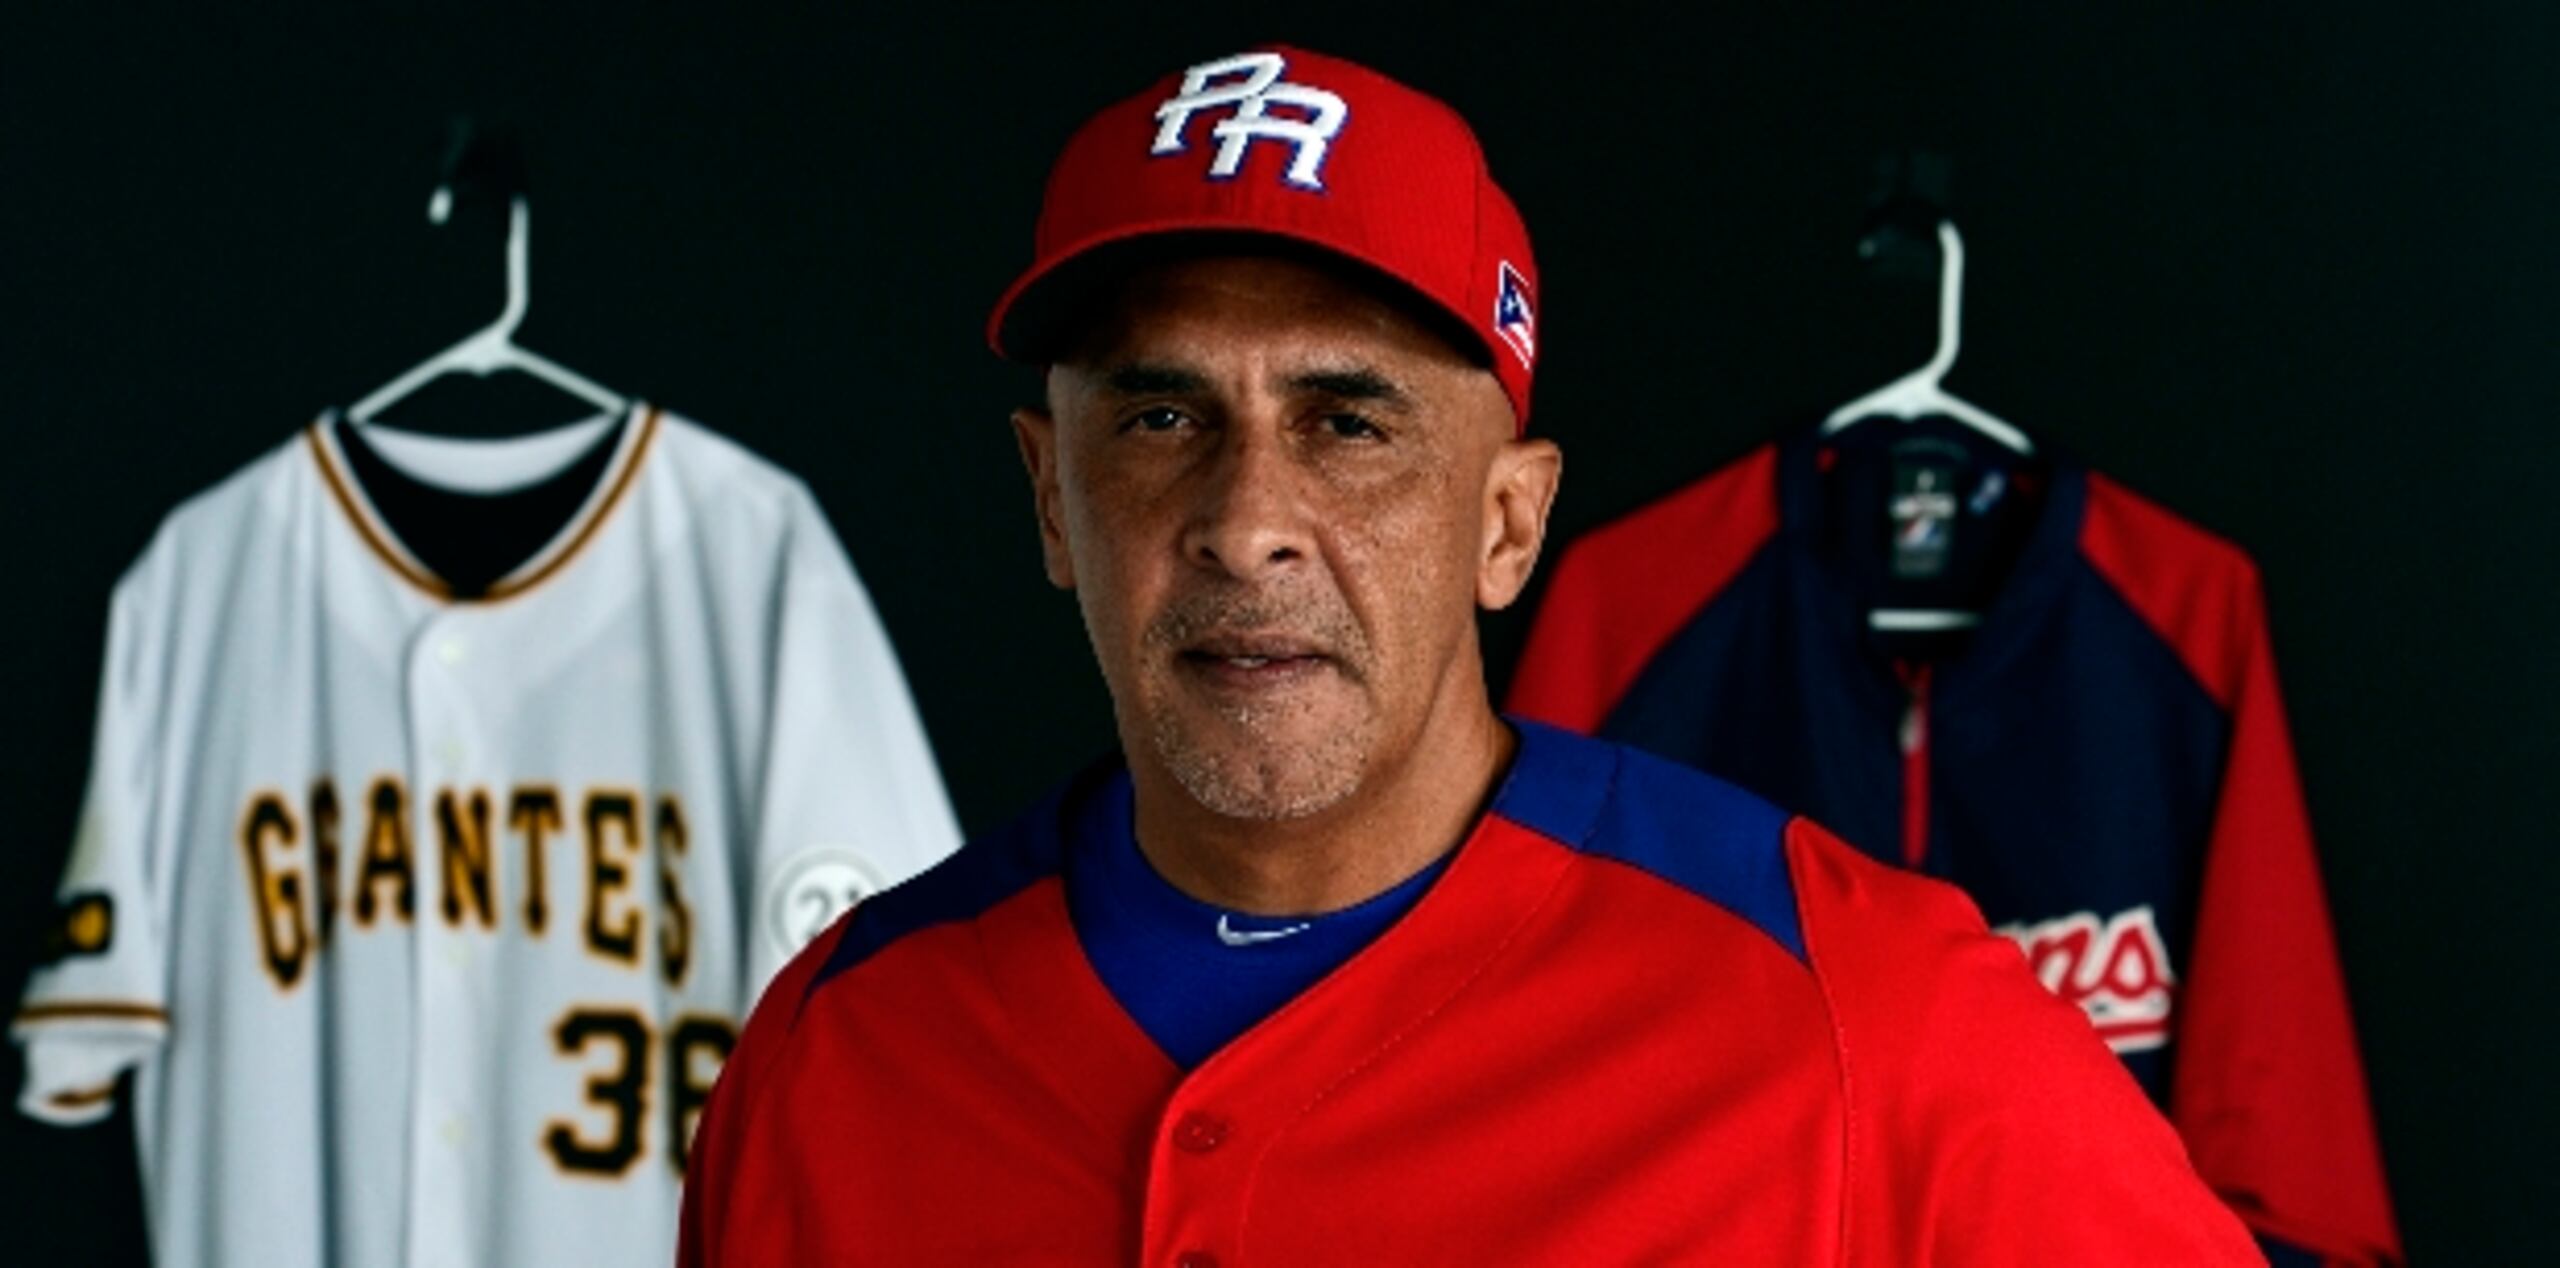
(983,873)
(1690,829)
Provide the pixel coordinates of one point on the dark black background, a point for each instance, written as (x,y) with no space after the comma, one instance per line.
(2293,273)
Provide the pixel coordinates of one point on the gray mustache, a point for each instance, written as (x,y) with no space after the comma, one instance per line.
(1320,621)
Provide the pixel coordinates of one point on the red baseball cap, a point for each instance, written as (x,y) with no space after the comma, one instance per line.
(1283,143)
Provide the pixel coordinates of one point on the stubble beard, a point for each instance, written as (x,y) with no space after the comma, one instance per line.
(1285,778)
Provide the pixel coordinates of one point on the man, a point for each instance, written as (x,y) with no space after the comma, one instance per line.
(1336,966)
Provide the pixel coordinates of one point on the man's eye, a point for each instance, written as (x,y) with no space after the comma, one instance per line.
(1160,418)
(1352,427)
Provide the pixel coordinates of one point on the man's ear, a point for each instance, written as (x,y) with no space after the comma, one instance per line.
(1519,492)
(1037,433)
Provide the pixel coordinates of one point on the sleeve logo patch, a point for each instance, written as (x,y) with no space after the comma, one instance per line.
(84,924)
(809,890)
(1515,318)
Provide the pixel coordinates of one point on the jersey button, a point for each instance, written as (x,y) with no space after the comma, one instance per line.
(1199,1133)
(1195,1259)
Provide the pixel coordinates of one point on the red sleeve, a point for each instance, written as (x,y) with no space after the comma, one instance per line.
(1987,1125)
(1627,588)
(710,1167)
(2268,1088)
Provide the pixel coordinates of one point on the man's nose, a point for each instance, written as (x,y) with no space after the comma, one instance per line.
(1250,517)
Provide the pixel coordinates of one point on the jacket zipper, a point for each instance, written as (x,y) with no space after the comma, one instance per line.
(1915,765)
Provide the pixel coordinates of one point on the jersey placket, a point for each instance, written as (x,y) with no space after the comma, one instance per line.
(1231,1112)
(447,758)
(1197,1177)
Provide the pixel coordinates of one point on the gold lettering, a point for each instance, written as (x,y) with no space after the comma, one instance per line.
(324,855)
(462,824)
(616,938)
(535,812)
(386,853)
(275,888)
(675,919)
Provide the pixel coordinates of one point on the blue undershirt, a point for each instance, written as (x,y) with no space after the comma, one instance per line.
(1192,974)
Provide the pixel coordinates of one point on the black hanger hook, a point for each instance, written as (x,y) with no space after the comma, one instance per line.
(484,163)
(1913,192)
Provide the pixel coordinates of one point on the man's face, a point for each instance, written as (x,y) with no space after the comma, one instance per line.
(1280,501)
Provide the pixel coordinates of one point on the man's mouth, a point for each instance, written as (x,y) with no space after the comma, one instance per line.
(1254,660)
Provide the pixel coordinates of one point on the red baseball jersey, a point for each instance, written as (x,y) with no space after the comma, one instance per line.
(1643,1017)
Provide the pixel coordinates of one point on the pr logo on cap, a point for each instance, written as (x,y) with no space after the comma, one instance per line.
(1251,83)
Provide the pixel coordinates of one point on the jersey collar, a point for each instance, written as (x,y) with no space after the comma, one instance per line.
(1095,1058)
(632,446)
(1826,615)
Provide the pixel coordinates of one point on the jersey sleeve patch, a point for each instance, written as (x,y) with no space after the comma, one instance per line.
(809,891)
(84,924)
(1690,829)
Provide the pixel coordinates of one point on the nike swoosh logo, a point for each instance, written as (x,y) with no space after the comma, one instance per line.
(1248,937)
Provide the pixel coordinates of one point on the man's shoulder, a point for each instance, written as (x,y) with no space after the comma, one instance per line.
(1712,839)
(1982,1109)
(985,872)
(1934,1008)
(1786,874)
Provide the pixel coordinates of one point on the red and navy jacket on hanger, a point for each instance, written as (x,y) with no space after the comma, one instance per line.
(2017,675)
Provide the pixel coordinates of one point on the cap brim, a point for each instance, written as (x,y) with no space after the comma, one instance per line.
(1028,322)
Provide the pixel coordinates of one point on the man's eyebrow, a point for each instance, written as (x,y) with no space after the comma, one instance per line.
(1353,385)
(1150,378)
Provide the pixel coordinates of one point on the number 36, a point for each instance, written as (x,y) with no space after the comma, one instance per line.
(619,1085)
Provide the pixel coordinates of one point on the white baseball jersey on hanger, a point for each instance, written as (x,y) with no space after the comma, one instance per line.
(427,922)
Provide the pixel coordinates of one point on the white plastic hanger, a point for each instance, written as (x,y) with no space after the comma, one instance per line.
(493,348)
(1919,394)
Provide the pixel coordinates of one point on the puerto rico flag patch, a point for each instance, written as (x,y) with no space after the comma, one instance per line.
(1514,318)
